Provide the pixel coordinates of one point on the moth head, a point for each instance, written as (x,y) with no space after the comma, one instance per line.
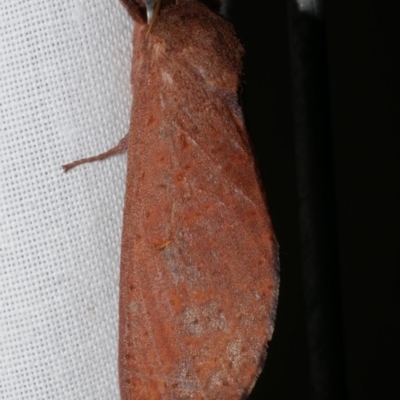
(153,6)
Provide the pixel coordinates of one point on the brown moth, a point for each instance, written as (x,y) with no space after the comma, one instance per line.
(199,259)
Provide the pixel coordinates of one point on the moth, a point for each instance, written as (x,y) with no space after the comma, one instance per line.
(199,259)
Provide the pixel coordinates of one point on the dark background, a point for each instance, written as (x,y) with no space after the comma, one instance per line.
(363,78)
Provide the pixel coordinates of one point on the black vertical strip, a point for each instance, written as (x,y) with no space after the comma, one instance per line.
(315,186)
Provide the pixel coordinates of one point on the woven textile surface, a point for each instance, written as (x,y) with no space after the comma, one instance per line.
(64,94)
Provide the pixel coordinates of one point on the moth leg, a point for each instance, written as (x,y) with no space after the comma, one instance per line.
(136,9)
(153,8)
(120,148)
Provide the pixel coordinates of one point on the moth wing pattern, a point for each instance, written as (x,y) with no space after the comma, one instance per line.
(199,258)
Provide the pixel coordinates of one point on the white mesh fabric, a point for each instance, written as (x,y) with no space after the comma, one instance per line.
(64,94)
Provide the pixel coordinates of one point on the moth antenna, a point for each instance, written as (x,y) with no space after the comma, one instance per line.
(154,16)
